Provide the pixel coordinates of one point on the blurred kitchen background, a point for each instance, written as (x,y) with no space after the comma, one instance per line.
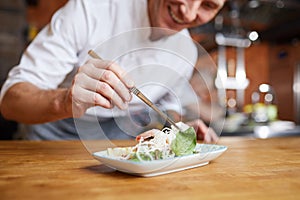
(254,43)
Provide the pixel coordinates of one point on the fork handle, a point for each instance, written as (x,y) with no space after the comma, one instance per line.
(140,95)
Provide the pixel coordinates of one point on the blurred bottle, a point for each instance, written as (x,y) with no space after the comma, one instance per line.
(263,106)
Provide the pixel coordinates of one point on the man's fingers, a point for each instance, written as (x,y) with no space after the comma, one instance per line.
(82,96)
(121,74)
(213,135)
(115,68)
(210,136)
(111,79)
(97,76)
(110,73)
(203,132)
(99,88)
(106,91)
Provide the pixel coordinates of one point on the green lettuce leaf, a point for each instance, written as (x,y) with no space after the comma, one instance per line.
(185,142)
(156,155)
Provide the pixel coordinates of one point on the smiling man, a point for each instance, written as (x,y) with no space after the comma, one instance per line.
(176,15)
(56,82)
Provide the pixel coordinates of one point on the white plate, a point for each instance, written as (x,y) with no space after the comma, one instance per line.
(207,152)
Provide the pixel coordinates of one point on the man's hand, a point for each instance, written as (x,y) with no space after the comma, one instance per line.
(203,132)
(99,83)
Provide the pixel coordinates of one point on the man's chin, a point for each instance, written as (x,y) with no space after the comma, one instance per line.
(159,33)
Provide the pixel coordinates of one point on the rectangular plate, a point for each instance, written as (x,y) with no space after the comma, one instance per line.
(207,152)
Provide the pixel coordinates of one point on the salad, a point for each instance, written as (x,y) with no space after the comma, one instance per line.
(159,144)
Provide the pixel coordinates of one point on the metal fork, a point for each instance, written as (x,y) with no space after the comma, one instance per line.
(141,96)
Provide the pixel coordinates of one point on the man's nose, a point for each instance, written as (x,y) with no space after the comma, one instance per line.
(190,10)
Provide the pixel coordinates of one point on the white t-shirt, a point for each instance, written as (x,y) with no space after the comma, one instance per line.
(117,30)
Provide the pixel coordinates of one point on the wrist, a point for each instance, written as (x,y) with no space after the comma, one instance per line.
(62,103)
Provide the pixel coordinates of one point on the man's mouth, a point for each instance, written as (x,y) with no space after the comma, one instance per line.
(175,17)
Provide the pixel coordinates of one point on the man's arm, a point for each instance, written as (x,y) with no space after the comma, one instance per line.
(97,83)
(26,103)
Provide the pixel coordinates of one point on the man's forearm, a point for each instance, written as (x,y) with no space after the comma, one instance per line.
(26,103)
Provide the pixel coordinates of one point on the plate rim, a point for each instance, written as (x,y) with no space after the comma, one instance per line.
(223,148)
(153,168)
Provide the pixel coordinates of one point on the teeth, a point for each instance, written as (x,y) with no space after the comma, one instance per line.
(175,18)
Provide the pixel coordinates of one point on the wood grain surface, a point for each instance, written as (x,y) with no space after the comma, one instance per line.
(249,169)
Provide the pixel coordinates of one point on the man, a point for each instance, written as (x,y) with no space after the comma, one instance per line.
(48,89)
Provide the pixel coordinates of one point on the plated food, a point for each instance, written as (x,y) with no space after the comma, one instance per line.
(159,144)
(161,152)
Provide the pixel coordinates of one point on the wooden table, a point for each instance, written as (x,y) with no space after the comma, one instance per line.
(249,169)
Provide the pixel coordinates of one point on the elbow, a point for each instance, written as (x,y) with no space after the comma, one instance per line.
(5,112)
(7,108)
